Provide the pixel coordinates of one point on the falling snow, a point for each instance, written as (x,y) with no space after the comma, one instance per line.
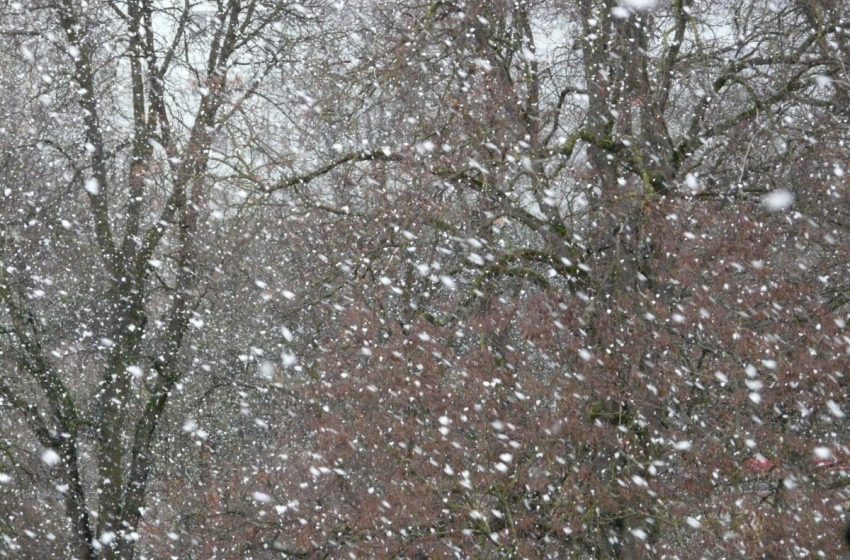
(456,279)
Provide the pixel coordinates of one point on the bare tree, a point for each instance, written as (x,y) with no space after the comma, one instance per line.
(140,94)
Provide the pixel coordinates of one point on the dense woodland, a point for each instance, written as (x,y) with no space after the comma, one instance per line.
(424,279)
